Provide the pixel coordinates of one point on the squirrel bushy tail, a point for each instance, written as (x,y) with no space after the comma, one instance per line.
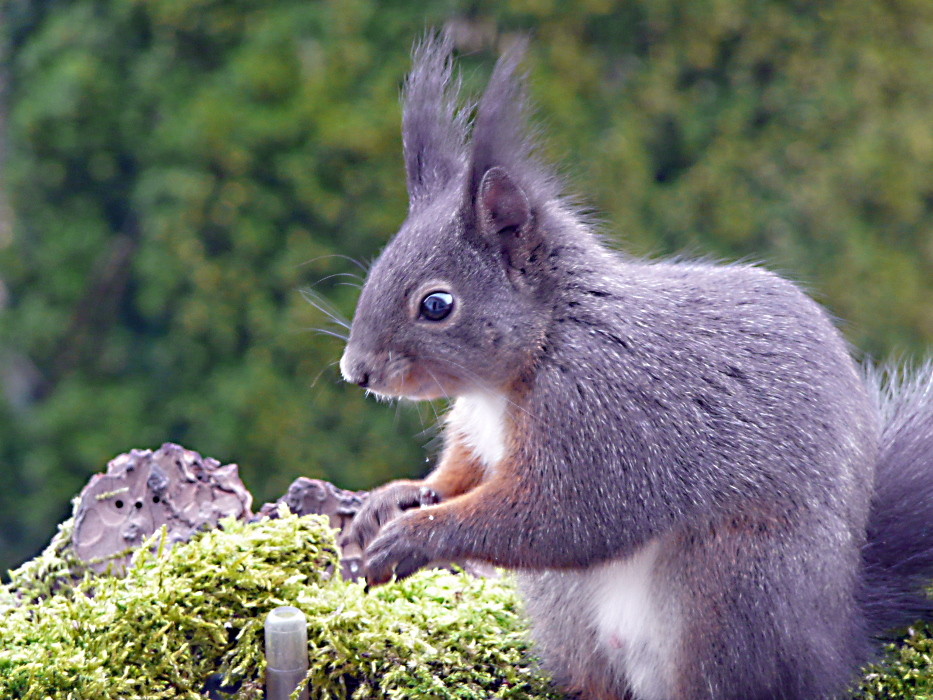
(898,554)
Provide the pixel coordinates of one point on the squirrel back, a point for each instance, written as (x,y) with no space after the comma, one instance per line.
(679,457)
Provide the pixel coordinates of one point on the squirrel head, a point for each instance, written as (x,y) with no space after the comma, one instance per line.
(457,301)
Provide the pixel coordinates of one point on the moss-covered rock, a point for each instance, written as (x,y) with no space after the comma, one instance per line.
(180,616)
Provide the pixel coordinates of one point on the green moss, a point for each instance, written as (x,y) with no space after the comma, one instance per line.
(54,568)
(180,616)
(183,614)
(906,673)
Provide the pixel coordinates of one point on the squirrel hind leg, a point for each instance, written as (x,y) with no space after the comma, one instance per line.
(767,612)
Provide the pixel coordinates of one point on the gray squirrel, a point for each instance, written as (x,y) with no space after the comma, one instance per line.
(703,495)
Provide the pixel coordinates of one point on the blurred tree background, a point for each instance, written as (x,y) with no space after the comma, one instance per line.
(175,172)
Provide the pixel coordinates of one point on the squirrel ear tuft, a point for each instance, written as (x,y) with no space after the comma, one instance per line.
(502,204)
(502,138)
(499,129)
(434,129)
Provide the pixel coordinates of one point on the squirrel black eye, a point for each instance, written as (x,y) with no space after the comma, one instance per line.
(437,306)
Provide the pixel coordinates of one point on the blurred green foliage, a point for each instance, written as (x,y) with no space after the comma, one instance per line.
(178,170)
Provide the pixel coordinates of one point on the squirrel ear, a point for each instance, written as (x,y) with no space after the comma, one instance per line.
(503,207)
(505,218)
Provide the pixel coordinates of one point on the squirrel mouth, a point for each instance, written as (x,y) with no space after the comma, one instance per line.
(419,383)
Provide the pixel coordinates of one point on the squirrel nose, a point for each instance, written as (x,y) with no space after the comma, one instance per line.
(354,371)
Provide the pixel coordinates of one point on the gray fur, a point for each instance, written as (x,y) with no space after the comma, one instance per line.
(434,129)
(899,551)
(501,136)
(711,413)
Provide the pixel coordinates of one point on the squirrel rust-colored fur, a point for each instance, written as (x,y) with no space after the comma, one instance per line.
(702,493)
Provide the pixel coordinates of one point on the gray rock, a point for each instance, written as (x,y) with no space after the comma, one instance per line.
(143,490)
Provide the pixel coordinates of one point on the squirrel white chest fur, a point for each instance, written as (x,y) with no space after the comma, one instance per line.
(635,630)
(479,420)
(619,598)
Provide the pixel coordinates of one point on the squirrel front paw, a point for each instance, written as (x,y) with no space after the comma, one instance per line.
(385,504)
(398,549)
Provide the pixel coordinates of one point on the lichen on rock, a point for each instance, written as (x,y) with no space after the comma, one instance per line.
(144,490)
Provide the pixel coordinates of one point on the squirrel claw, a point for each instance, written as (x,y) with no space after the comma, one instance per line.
(428,496)
(377,576)
(409,565)
(396,550)
(373,581)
